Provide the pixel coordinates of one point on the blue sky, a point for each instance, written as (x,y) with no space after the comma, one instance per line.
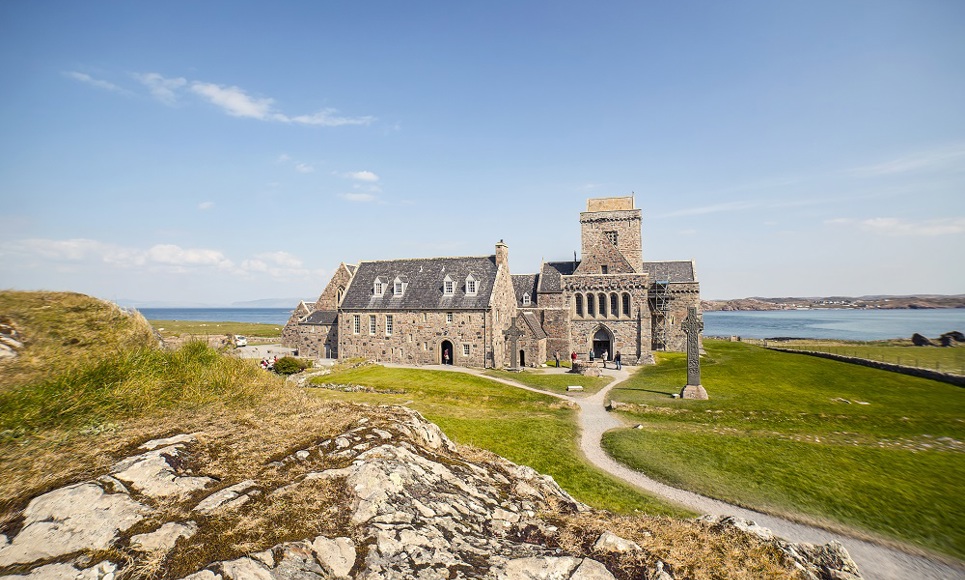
(213,152)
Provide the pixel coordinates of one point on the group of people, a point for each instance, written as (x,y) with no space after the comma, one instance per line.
(617,358)
(269,363)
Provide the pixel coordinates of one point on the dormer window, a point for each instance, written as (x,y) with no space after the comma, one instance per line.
(398,286)
(526,299)
(379,287)
(471,285)
(448,286)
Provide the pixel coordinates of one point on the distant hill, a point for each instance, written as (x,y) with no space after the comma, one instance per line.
(271,303)
(879,302)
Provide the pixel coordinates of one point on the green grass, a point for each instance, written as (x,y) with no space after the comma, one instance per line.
(788,433)
(552,382)
(525,427)
(198,327)
(945,359)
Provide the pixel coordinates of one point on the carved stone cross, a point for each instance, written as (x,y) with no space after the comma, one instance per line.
(513,334)
(692,327)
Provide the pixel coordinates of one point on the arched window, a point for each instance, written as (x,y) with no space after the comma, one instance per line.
(614,306)
(626,304)
(338,295)
(602,305)
(579,305)
(590,305)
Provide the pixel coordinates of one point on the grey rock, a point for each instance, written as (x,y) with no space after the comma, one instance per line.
(337,555)
(174,440)
(70,519)
(610,542)
(203,575)
(226,497)
(152,474)
(164,538)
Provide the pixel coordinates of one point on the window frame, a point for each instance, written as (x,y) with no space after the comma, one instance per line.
(373,324)
(449,318)
(389,323)
(356,324)
(465,350)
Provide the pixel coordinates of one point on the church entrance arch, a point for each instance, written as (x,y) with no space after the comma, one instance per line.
(445,353)
(522,357)
(603,341)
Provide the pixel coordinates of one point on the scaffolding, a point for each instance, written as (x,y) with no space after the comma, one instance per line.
(660,302)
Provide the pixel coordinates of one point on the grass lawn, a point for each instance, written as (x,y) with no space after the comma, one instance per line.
(787,433)
(949,360)
(197,327)
(525,427)
(552,382)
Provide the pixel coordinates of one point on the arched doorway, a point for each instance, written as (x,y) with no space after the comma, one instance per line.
(603,341)
(522,357)
(445,353)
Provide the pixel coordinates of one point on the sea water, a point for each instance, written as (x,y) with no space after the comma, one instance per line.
(843,324)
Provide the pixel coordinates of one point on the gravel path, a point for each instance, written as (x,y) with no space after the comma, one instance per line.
(876,562)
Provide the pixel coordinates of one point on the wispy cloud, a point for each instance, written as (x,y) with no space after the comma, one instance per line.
(362,176)
(162,89)
(304,168)
(234,101)
(358,197)
(169,258)
(951,156)
(330,118)
(890,226)
(98,83)
(205,205)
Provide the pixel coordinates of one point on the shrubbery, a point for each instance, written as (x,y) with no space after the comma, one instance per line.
(288,365)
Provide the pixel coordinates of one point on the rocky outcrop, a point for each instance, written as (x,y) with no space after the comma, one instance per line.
(11,342)
(403,502)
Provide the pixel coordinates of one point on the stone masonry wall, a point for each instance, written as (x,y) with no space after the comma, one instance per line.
(631,331)
(502,312)
(628,226)
(311,339)
(416,337)
(328,300)
(683,295)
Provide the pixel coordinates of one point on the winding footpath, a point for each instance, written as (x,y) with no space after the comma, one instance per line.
(876,562)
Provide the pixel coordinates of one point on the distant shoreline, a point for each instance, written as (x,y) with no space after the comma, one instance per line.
(917,302)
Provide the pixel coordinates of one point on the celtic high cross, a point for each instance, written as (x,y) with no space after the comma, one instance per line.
(693,326)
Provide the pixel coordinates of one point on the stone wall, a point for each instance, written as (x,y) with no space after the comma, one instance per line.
(681,296)
(331,296)
(502,312)
(628,226)
(312,340)
(416,338)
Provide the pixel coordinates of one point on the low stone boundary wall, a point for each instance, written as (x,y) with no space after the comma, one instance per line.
(957,380)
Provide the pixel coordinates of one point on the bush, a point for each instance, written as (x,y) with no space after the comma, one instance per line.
(288,365)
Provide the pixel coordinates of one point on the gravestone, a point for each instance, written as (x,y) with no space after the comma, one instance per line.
(692,326)
(513,334)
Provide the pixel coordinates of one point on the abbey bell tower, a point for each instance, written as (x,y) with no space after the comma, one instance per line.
(611,237)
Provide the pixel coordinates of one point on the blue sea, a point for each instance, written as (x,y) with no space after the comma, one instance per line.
(836,324)
(260,315)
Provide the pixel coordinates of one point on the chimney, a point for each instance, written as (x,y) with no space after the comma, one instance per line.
(502,254)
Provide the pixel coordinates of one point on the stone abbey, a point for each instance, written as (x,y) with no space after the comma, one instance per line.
(457,310)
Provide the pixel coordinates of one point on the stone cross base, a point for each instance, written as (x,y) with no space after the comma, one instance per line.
(694,392)
(587,368)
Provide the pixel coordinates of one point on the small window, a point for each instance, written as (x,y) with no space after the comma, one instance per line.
(626,305)
(590,305)
(604,269)
(465,350)
(526,299)
(388,324)
(448,317)
(425,317)
(612,236)
(372,324)
(448,286)
(471,286)
(378,287)
(397,288)
(602,304)
(356,324)
(614,306)
(579,305)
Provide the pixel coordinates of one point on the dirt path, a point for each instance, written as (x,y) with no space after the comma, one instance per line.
(875,561)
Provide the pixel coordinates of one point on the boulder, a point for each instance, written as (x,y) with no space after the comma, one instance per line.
(919,340)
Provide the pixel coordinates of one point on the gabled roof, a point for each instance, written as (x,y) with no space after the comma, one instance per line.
(424,290)
(534,326)
(550,276)
(676,271)
(320,317)
(525,284)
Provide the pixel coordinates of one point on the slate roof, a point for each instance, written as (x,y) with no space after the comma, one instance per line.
(550,276)
(533,323)
(678,271)
(424,290)
(320,317)
(523,283)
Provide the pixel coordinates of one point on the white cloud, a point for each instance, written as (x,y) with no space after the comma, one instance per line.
(358,197)
(304,168)
(173,255)
(89,80)
(951,156)
(205,205)
(276,264)
(362,176)
(163,89)
(327,118)
(234,101)
(283,158)
(898,227)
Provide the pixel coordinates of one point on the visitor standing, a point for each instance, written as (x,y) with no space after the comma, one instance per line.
(573,358)
(445,356)
(605,357)
(617,358)
(556,355)
(591,355)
